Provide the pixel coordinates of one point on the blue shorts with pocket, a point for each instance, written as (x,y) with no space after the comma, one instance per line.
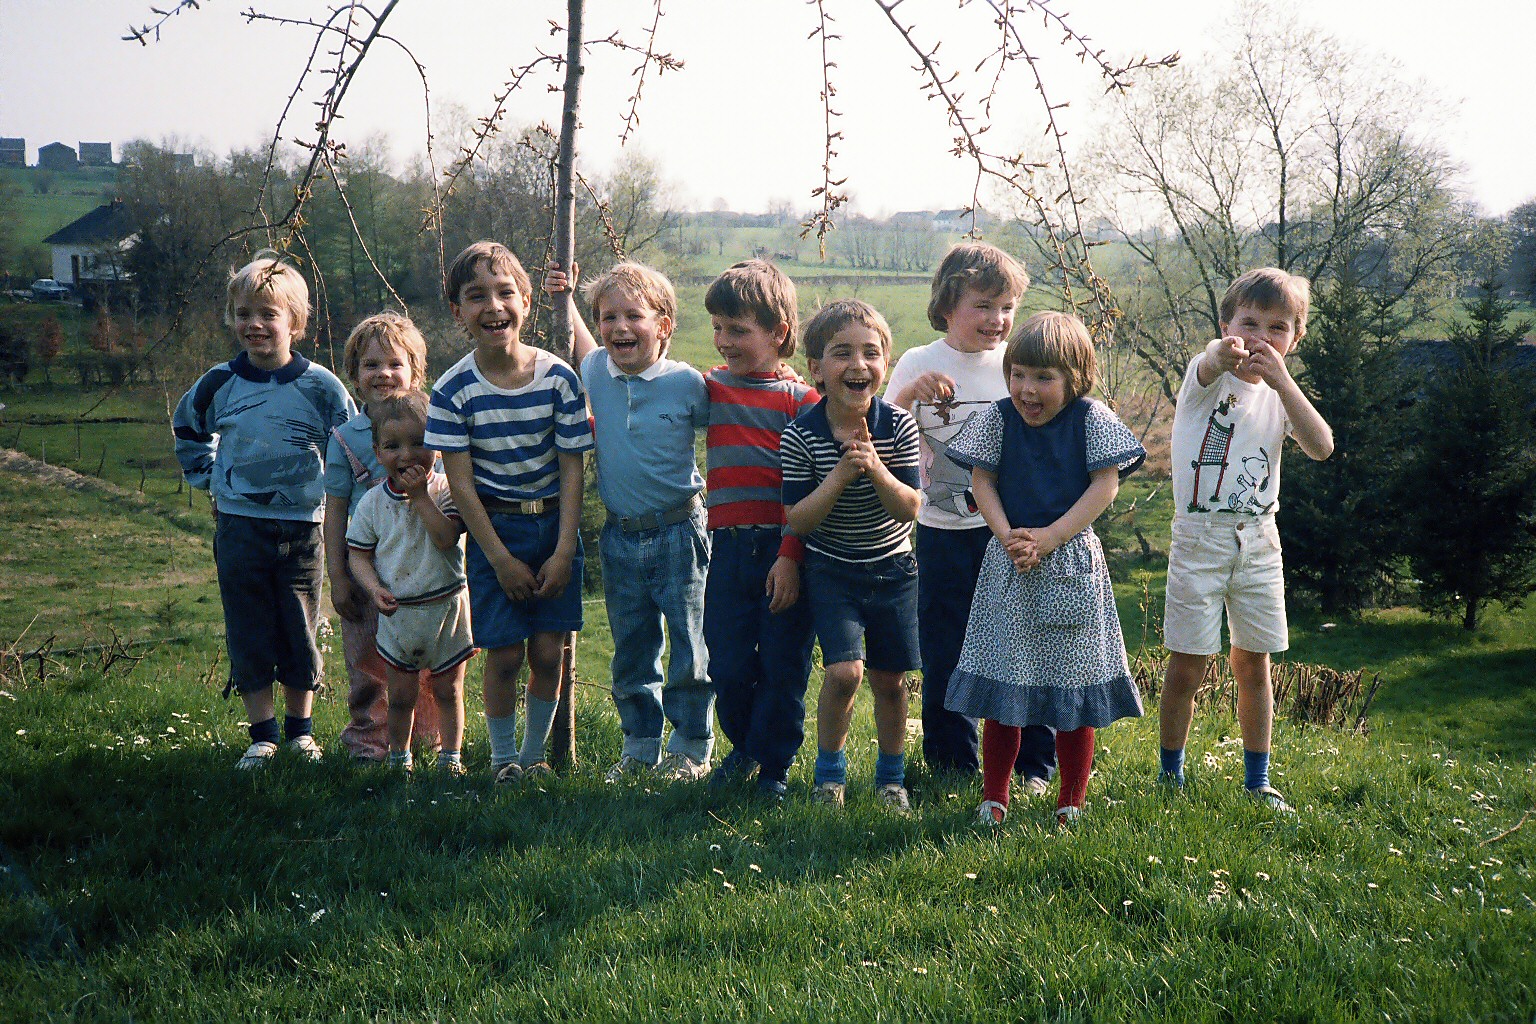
(498,620)
(864,605)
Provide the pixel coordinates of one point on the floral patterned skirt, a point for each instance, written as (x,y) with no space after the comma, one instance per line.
(1044,647)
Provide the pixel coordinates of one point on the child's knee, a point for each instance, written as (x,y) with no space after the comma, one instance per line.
(502,666)
(545,653)
(402,692)
(1184,674)
(888,685)
(1250,668)
(448,687)
(843,677)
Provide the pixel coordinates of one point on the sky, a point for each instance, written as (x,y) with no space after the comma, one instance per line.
(741,124)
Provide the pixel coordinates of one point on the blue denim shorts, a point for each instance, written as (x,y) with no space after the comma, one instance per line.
(859,605)
(269,581)
(500,621)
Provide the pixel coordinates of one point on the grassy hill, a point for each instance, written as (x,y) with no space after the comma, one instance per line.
(43,201)
(145,879)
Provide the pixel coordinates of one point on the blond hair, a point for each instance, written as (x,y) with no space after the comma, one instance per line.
(267,275)
(1058,341)
(1270,288)
(986,268)
(498,260)
(394,330)
(836,316)
(647,284)
(761,291)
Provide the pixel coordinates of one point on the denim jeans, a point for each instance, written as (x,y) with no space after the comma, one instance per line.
(864,611)
(948,562)
(759,661)
(648,576)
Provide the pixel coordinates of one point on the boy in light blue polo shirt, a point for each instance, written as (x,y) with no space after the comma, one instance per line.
(655,544)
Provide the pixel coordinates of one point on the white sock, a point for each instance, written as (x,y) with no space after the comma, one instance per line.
(541,715)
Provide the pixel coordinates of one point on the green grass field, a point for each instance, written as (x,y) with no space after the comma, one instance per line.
(144,879)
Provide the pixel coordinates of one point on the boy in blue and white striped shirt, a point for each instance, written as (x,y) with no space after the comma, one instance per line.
(511,422)
(851,490)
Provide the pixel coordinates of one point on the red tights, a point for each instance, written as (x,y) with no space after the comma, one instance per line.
(1000,748)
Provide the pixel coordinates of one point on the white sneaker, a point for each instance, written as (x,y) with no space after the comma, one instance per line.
(894,795)
(627,767)
(257,755)
(306,747)
(681,768)
(990,812)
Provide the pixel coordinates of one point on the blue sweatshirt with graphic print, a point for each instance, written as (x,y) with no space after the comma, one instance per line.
(256,438)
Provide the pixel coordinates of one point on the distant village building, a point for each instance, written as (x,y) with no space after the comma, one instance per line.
(96,154)
(13,152)
(57,157)
(89,253)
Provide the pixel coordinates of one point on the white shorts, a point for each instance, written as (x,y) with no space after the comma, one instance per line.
(1221,561)
(434,635)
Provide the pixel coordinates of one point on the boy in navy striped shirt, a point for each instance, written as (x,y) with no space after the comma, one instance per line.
(851,490)
(511,422)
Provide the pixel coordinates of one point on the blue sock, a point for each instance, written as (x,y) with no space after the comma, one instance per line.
(1173,764)
(264,732)
(1255,768)
(890,768)
(503,733)
(294,727)
(831,766)
(400,759)
(448,757)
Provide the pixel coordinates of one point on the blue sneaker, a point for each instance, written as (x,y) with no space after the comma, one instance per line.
(772,790)
(735,767)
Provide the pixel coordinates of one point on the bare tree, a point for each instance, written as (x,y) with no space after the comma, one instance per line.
(1295,151)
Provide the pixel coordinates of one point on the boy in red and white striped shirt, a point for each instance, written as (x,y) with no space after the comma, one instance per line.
(757,628)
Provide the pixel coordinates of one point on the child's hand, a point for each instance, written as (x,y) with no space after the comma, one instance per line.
(348,598)
(783,586)
(933,386)
(516,579)
(1228,353)
(1265,363)
(553,576)
(1022,548)
(413,481)
(557,282)
(385,602)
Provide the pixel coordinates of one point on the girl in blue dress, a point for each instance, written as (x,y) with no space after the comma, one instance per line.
(1043,644)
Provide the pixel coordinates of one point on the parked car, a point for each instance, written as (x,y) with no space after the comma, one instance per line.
(46,289)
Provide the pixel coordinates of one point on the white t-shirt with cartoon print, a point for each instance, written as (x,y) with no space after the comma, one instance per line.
(978,376)
(1226,446)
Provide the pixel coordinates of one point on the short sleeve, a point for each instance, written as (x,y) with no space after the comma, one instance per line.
(797,465)
(338,469)
(437,487)
(904,451)
(362,532)
(573,427)
(979,445)
(447,428)
(1108,442)
(700,399)
(905,373)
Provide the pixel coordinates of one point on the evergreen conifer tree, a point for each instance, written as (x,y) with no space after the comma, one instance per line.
(1337,518)
(1469,489)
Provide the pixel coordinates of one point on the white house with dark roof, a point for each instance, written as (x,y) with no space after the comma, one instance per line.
(90,251)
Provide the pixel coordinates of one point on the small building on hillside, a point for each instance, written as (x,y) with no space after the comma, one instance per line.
(95,154)
(13,152)
(57,157)
(90,253)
